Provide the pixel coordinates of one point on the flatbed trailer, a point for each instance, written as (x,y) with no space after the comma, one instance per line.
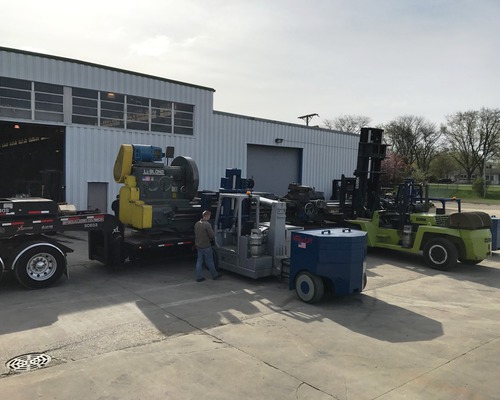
(28,244)
(130,245)
(29,247)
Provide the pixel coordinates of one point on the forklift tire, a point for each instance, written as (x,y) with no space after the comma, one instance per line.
(440,254)
(39,265)
(470,262)
(329,291)
(309,287)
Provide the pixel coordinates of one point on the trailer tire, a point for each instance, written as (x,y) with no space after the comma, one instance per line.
(309,287)
(440,254)
(39,265)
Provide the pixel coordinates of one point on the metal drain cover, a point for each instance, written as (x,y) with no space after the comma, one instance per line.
(28,362)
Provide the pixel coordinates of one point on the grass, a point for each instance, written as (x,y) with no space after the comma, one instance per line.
(465,192)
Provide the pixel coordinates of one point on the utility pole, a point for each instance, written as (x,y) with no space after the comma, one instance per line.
(308,117)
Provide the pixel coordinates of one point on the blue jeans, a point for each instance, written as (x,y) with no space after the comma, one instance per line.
(206,255)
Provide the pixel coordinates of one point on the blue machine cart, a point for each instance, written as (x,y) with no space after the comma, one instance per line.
(331,259)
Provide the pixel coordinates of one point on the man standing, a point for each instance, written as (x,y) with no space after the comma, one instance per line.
(203,237)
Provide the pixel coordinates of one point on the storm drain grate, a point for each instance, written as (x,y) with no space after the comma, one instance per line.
(28,362)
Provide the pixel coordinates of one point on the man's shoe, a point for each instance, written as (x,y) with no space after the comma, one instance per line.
(218,276)
(200,280)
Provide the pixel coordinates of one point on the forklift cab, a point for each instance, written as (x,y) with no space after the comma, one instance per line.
(244,244)
(237,215)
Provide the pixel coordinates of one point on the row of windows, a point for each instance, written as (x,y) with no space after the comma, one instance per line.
(41,101)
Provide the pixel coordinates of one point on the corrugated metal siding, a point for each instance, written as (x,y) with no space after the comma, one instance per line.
(219,141)
(91,153)
(49,70)
(326,154)
(220,144)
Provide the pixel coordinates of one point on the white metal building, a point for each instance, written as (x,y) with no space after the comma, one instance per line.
(62,122)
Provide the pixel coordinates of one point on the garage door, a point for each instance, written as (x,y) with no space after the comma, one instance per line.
(31,160)
(274,168)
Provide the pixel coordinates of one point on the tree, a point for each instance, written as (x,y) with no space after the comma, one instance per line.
(394,169)
(489,136)
(427,146)
(414,139)
(443,165)
(348,123)
(474,138)
(461,135)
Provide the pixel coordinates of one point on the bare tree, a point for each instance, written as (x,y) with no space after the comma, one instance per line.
(489,135)
(474,138)
(462,137)
(348,123)
(414,139)
(427,148)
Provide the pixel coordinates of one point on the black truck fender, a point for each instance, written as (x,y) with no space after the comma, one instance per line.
(19,245)
(39,263)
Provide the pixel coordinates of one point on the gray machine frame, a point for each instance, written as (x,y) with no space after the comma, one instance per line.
(257,254)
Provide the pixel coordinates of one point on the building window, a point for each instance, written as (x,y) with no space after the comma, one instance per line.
(15,98)
(84,106)
(137,113)
(48,102)
(112,110)
(183,119)
(161,116)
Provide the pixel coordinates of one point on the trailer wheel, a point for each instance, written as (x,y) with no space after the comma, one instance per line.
(441,254)
(309,287)
(40,265)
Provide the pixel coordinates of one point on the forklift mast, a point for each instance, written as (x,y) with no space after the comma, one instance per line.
(360,196)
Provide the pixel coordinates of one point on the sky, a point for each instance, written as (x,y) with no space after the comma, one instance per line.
(281,59)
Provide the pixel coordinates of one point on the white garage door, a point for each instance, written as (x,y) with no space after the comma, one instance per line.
(274,168)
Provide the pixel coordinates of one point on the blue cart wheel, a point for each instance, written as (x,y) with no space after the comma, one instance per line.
(309,287)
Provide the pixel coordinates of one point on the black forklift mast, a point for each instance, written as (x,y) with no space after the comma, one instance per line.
(360,196)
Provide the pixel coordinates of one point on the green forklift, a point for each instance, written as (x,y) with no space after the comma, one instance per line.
(405,222)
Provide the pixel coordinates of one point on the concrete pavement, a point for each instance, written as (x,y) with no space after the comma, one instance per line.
(151,332)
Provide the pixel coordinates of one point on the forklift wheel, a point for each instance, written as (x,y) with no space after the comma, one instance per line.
(309,287)
(470,262)
(441,254)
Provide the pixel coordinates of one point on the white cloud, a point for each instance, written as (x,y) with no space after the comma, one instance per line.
(153,47)
(278,59)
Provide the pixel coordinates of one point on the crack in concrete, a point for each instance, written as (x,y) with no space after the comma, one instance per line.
(437,367)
